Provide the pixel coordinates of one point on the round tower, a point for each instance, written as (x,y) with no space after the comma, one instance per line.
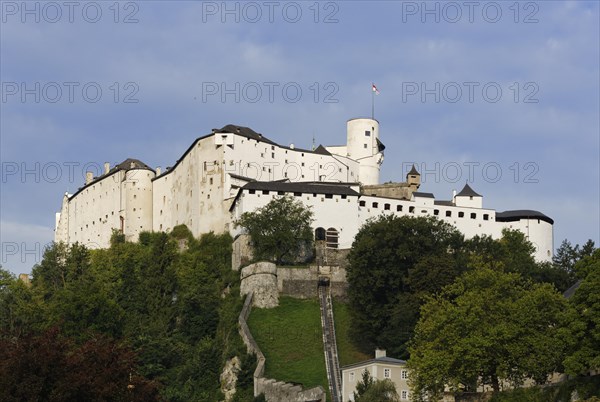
(363,145)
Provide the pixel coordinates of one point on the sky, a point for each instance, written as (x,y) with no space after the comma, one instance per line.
(503,95)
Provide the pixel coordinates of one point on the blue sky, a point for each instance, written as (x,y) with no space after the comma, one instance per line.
(502,94)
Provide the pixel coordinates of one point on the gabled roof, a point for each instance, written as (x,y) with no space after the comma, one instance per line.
(322,150)
(422,195)
(518,214)
(382,360)
(467,191)
(245,132)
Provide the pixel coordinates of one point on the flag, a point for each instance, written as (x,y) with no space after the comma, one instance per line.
(375,89)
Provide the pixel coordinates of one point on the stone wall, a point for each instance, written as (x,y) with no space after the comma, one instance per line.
(302,282)
(400,191)
(330,256)
(242,252)
(273,390)
(260,279)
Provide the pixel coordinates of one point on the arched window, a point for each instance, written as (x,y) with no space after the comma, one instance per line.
(319,234)
(332,238)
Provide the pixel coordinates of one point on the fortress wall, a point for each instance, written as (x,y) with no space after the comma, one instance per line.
(260,279)
(302,282)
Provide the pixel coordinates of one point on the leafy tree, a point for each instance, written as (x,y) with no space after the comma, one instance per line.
(585,355)
(280,230)
(487,327)
(371,390)
(394,262)
(50,367)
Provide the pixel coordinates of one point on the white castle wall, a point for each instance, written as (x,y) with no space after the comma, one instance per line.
(122,200)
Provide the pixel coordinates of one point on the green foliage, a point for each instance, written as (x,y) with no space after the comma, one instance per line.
(394,262)
(50,367)
(585,325)
(176,310)
(487,327)
(363,385)
(380,391)
(280,231)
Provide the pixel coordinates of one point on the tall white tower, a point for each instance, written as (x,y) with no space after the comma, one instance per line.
(363,145)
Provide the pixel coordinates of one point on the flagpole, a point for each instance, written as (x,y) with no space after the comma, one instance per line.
(372,103)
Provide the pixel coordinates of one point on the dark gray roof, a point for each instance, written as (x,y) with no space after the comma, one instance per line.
(380,146)
(301,187)
(444,202)
(127,164)
(467,191)
(245,132)
(413,171)
(512,216)
(321,150)
(423,195)
(571,291)
(384,360)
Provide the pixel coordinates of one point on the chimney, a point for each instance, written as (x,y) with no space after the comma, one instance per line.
(106,167)
(158,171)
(379,353)
(454,196)
(292,146)
(89,176)
(132,165)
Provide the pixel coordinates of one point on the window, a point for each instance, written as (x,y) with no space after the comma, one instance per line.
(298,194)
(399,208)
(486,217)
(386,373)
(461,214)
(210,181)
(366,146)
(386,207)
(281,193)
(344,196)
(404,374)
(448,213)
(332,238)
(404,395)
(328,195)
(251,191)
(362,203)
(273,155)
(352,376)
(411,210)
(266,192)
(436,212)
(473,215)
(320,235)
(367,133)
(375,205)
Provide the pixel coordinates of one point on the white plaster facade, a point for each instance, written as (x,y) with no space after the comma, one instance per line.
(235,170)
(380,368)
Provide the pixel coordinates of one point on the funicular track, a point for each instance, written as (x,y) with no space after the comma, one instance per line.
(329,341)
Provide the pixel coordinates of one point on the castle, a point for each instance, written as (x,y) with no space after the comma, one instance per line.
(234,170)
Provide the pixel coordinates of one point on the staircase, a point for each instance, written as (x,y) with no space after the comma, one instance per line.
(329,342)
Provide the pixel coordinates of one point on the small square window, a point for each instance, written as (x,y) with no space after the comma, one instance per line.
(486,217)
(362,203)
(367,133)
(386,207)
(461,214)
(375,205)
(298,194)
(365,146)
(448,213)
(411,210)
(266,192)
(387,373)
(399,208)
(473,215)
(251,191)
(436,212)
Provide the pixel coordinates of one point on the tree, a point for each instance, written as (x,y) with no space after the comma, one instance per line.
(280,230)
(486,328)
(394,262)
(51,367)
(371,390)
(585,355)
